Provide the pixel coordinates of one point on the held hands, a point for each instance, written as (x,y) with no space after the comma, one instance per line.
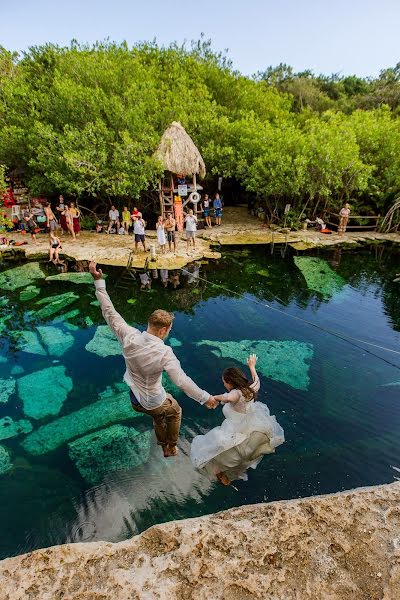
(252,360)
(211,402)
(95,273)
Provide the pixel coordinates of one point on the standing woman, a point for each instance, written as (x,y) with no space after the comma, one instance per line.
(60,208)
(206,209)
(69,221)
(126,219)
(344,218)
(76,215)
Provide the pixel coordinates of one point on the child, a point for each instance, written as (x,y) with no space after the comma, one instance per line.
(138,232)
(55,247)
(161,234)
(248,432)
(191,228)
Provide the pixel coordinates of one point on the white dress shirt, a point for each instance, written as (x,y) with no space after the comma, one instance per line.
(146,357)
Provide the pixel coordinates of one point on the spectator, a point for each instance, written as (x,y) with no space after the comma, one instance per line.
(126,219)
(161,234)
(51,221)
(170,226)
(344,218)
(30,223)
(217,209)
(69,222)
(76,215)
(191,228)
(206,210)
(61,208)
(139,232)
(113,217)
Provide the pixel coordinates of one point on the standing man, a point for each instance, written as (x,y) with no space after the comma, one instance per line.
(217,209)
(139,232)
(146,357)
(344,218)
(113,216)
(191,228)
(51,221)
(170,226)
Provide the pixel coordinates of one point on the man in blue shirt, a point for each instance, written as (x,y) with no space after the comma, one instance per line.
(217,203)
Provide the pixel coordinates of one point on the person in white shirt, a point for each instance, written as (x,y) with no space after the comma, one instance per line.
(138,232)
(113,216)
(146,358)
(191,228)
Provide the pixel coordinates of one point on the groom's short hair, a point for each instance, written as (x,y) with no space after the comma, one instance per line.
(160,318)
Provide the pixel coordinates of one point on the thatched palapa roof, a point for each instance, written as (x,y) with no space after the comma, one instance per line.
(178,152)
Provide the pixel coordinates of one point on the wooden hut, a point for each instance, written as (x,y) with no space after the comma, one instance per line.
(182,162)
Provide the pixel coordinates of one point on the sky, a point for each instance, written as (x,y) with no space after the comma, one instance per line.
(327,36)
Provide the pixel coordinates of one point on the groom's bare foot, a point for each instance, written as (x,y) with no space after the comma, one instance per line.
(170,451)
(222,478)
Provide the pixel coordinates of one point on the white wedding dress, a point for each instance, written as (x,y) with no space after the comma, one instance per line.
(247,434)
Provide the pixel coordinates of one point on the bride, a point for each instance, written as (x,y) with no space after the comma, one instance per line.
(248,432)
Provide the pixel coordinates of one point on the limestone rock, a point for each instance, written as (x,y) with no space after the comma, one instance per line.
(104,343)
(28,293)
(113,406)
(57,342)
(342,546)
(18,277)
(7,387)
(286,361)
(10,428)
(44,392)
(28,341)
(5,464)
(53,304)
(319,276)
(117,448)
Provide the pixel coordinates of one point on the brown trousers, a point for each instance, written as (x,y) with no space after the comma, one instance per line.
(166,420)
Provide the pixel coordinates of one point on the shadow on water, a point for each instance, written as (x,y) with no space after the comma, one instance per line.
(339,408)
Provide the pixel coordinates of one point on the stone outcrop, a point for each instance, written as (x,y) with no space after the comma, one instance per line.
(341,546)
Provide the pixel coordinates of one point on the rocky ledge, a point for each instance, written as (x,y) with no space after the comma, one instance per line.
(340,546)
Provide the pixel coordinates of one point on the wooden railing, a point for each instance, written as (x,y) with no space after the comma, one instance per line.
(328,214)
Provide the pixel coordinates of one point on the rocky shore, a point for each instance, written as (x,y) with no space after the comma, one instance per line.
(343,546)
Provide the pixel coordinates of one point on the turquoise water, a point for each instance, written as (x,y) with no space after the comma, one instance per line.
(337,401)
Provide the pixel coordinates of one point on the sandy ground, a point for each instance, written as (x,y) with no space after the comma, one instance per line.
(238,228)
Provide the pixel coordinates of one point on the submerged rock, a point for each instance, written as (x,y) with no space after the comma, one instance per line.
(44,392)
(174,342)
(5,461)
(54,304)
(68,315)
(56,341)
(113,406)
(319,276)
(78,278)
(28,293)
(17,370)
(104,343)
(28,341)
(10,428)
(117,448)
(7,387)
(19,277)
(286,361)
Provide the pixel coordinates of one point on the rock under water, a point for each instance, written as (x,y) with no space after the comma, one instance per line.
(44,392)
(338,547)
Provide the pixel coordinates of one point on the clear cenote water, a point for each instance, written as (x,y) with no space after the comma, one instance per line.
(338,402)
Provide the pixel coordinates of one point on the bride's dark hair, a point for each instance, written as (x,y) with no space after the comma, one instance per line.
(238,380)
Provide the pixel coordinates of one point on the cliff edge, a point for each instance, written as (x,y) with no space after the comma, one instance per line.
(334,547)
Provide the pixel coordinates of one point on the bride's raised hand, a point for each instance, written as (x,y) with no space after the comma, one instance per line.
(252,360)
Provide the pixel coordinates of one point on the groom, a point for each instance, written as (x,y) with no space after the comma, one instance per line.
(146,357)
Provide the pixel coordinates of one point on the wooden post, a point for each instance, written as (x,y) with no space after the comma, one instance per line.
(195,190)
(160,192)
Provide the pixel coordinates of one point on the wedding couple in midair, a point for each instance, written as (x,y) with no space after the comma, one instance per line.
(225,452)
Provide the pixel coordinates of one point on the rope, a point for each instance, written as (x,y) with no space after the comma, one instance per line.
(347,338)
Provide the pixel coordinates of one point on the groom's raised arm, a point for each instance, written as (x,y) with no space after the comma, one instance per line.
(116,323)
